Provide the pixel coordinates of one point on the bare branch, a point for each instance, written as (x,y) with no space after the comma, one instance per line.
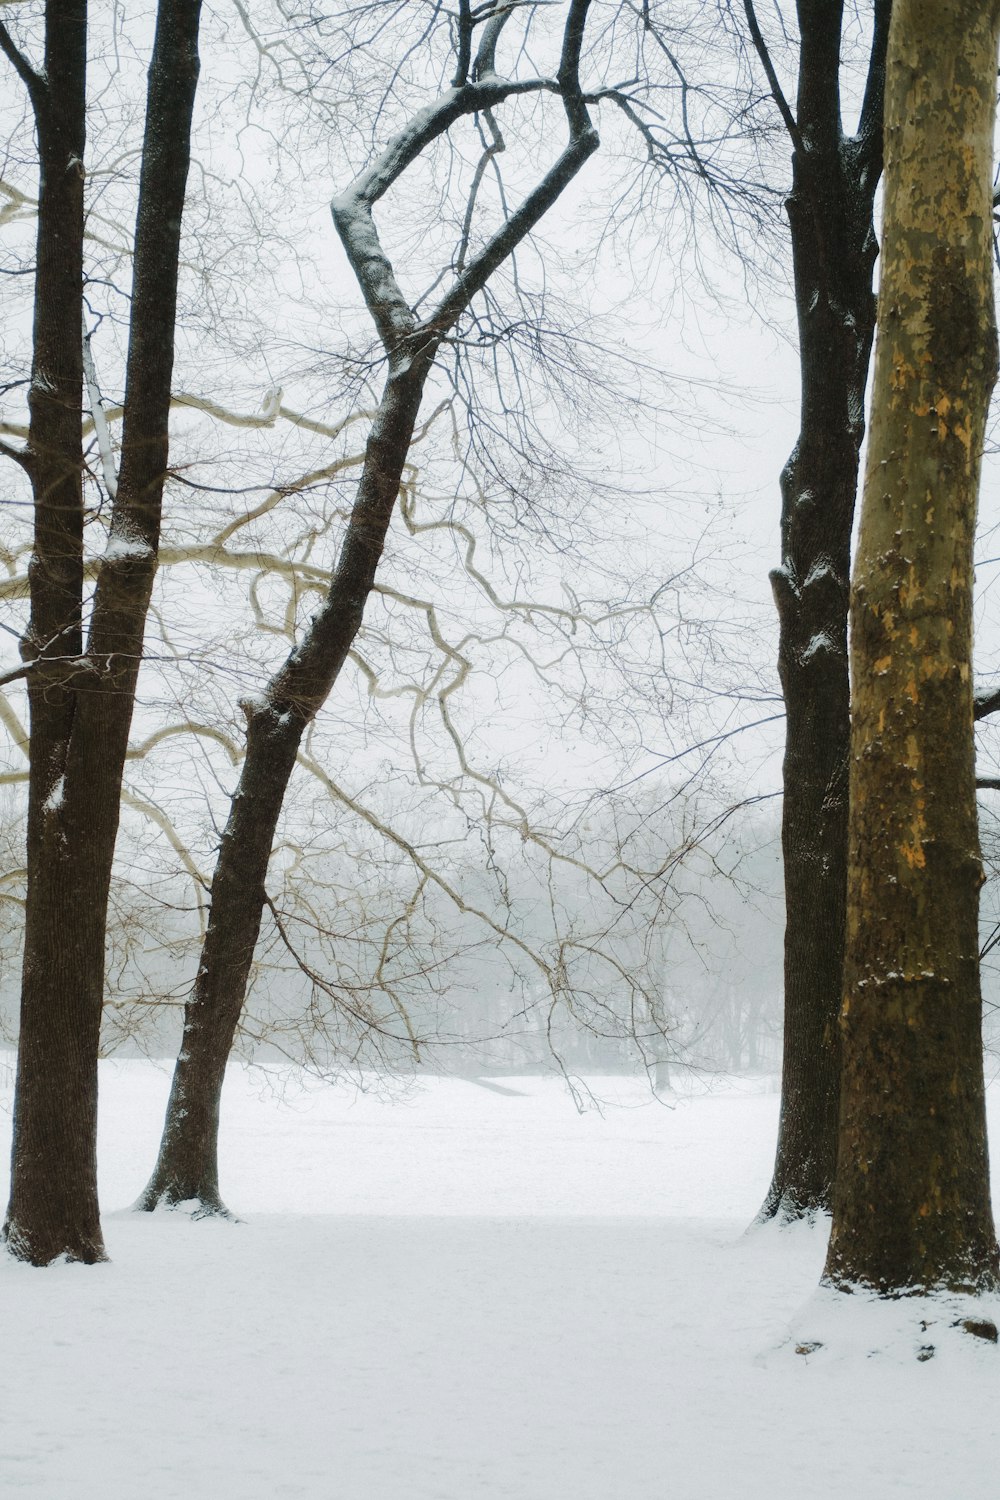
(985,701)
(32,80)
(772,78)
(155,813)
(19,455)
(14,727)
(352,210)
(188,726)
(870,132)
(464,45)
(338,995)
(98,416)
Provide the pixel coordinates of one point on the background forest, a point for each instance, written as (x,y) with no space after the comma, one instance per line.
(536,754)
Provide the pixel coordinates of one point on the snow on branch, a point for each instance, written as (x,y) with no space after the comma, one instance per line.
(352,210)
(98,416)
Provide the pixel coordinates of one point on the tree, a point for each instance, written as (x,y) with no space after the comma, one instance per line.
(911,1202)
(417,645)
(830,207)
(81,691)
(187,1166)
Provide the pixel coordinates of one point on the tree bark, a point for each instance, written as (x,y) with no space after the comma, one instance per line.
(834,179)
(186,1170)
(80,715)
(53,1162)
(911,1204)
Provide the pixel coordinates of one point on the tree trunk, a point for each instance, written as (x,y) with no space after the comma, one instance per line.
(81,712)
(187,1169)
(53,1206)
(911,1203)
(833,253)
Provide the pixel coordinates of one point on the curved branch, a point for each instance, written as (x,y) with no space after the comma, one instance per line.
(19,455)
(159,817)
(32,80)
(352,210)
(190,726)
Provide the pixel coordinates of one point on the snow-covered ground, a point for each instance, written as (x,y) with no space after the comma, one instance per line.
(470,1293)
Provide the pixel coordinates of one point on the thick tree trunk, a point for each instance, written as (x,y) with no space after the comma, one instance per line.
(53,1206)
(80,715)
(834,249)
(912,1204)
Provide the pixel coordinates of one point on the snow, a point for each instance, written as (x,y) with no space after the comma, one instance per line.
(98,414)
(270,406)
(469,1293)
(54,800)
(817,644)
(123,546)
(821,570)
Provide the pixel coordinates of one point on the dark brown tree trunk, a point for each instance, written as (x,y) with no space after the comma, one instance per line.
(54,1082)
(912,1202)
(834,179)
(81,711)
(187,1167)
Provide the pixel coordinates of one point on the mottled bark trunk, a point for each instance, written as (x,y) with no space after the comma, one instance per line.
(833,249)
(911,1204)
(80,716)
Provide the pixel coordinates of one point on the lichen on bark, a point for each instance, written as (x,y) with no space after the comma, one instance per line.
(911,1203)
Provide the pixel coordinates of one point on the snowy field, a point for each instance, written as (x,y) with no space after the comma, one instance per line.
(470,1293)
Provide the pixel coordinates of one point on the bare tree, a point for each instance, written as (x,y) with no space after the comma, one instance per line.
(276,721)
(331,985)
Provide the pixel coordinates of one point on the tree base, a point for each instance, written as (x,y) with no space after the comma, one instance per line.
(196,1203)
(788,1207)
(42,1250)
(848,1324)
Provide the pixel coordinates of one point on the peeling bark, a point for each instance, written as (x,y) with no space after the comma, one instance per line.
(911,1203)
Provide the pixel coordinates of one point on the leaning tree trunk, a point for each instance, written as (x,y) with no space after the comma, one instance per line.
(912,1202)
(81,709)
(830,207)
(186,1170)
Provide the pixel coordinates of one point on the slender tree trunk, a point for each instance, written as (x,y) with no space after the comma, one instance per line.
(834,179)
(81,713)
(912,1203)
(187,1166)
